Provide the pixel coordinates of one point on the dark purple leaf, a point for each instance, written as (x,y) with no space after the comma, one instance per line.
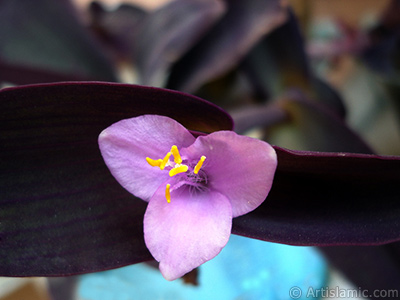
(278,62)
(258,116)
(244,23)
(374,269)
(63,213)
(328,199)
(48,35)
(295,122)
(316,128)
(382,55)
(383,52)
(393,89)
(61,210)
(169,32)
(117,28)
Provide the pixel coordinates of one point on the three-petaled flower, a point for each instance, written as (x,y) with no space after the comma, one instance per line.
(194,186)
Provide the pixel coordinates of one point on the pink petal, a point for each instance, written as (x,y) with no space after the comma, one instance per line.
(188,231)
(239,167)
(126,144)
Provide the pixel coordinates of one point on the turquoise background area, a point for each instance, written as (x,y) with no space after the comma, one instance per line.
(246,269)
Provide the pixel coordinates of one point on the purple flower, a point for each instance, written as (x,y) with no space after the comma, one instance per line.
(194,186)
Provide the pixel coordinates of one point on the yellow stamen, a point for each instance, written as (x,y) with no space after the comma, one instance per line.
(199,164)
(175,153)
(167,193)
(178,169)
(154,162)
(165,160)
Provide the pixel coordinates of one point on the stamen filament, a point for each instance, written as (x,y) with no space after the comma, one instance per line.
(175,153)
(165,160)
(167,193)
(177,170)
(199,164)
(154,162)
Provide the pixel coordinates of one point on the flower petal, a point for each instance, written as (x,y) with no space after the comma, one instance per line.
(239,167)
(126,144)
(190,230)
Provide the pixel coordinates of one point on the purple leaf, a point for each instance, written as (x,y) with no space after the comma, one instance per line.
(328,199)
(279,62)
(48,35)
(313,127)
(263,116)
(61,210)
(296,122)
(382,55)
(166,34)
(382,52)
(244,23)
(373,268)
(117,28)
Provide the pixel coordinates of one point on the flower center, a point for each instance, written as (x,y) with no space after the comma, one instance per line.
(192,176)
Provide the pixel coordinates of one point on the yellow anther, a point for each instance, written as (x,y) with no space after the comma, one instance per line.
(175,153)
(199,164)
(167,193)
(165,160)
(177,170)
(154,162)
